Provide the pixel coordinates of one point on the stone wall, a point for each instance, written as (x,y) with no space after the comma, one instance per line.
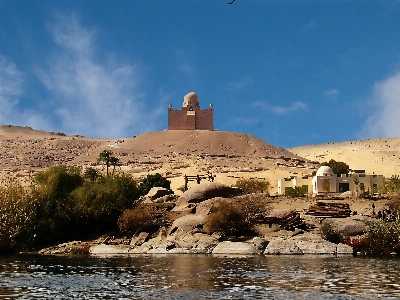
(190,120)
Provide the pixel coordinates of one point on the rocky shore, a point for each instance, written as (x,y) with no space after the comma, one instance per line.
(184,231)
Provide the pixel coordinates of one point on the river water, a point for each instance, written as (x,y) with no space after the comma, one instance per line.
(199,277)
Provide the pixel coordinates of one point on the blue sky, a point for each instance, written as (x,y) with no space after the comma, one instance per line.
(291,72)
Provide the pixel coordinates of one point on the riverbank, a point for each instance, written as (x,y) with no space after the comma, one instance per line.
(187,234)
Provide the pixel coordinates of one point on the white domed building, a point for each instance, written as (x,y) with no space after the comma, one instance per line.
(327,182)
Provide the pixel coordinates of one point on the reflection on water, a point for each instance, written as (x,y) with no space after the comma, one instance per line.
(199,277)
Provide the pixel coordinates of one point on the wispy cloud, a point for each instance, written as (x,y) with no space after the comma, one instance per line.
(240,84)
(246,121)
(12,87)
(279,110)
(331,93)
(384,120)
(94,94)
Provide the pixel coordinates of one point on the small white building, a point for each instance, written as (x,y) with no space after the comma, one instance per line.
(326,182)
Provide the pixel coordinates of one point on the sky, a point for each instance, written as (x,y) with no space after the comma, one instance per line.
(290,72)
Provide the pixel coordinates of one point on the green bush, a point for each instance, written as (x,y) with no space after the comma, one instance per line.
(51,190)
(98,205)
(251,186)
(153,180)
(297,191)
(237,216)
(330,233)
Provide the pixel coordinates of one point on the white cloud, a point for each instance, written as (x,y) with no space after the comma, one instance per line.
(331,93)
(93,95)
(241,84)
(385,118)
(279,110)
(246,121)
(12,85)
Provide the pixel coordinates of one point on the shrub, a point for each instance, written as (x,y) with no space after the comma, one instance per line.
(384,237)
(135,220)
(153,181)
(17,217)
(98,205)
(297,191)
(392,184)
(330,233)
(251,186)
(237,216)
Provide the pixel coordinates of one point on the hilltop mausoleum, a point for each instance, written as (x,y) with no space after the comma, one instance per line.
(191,117)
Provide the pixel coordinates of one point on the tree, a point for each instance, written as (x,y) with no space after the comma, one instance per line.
(153,181)
(338,167)
(105,157)
(114,161)
(92,174)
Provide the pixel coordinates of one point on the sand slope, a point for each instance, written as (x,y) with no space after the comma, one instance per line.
(381,156)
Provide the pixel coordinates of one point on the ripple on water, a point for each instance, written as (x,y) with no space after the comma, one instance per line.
(202,276)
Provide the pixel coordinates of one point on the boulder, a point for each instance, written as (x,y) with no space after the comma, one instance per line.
(198,243)
(157,192)
(108,249)
(282,246)
(227,247)
(344,249)
(166,198)
(140,239)
(185,224)
(350,227)
(306,243)
(205,191)
(204,208)
(313,244)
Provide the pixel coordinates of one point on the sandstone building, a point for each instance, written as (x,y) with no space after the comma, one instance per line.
(191,117)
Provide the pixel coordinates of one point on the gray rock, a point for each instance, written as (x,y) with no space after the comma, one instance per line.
(205,191)
(186,224)
(306,243)
(282,246)
(235,248)
(344,249)
(140,239)
(157,192)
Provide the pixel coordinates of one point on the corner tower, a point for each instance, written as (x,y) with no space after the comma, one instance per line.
(191,117)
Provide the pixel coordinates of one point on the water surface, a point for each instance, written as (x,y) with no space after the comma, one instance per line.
(199,277)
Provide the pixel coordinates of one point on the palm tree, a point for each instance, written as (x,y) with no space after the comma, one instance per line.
(105,156)
(114,161)
(92,174)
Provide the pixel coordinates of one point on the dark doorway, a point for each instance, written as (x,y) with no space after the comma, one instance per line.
(344,187)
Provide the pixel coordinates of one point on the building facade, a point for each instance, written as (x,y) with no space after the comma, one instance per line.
(326,182)
(191,117)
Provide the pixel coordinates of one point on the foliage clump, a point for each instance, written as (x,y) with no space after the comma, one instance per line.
(135,220)
(60,205)
(338,167)
(17,216)
(153,180)
(392,185)
(253,186)
(238,216)
(296,191)
(330,233)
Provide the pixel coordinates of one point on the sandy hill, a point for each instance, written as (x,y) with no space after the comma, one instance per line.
(381,156)
(228,155)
